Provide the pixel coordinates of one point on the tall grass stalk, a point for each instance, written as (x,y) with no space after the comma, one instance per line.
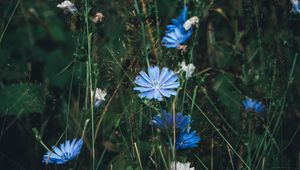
(277,114)
(157,29)
(149,31)
(163,157)
(174,129)
(138,155)
(193,100)
(143,32)
(9,20)
(184,91)
(69,100)
(89,79)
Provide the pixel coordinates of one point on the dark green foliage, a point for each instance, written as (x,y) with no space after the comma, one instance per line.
(20,99)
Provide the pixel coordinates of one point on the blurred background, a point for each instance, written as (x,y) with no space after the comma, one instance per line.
(241,48)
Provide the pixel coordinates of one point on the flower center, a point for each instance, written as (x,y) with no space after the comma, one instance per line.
(67,155)
(156,85)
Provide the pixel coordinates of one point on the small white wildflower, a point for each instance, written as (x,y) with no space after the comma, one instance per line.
(188,69)
(98,17)
(99,97)
(67,6)
(181,166)
(295,6)
(194,21)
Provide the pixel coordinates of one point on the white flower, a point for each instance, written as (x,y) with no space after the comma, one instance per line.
(295,6)
(188,69)
(98,17)
(194,21)
(181,166)
(99,97)
(67,6)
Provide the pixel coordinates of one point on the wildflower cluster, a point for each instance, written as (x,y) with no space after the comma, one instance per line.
(162,83)
(179,31)
(69,150)
(155,84)
(158,84)
(186,139)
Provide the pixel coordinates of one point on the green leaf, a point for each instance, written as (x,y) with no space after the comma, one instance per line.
(21,99)
(228,96)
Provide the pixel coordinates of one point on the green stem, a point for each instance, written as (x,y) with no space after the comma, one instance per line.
(157,30)
(183,98)
(9,20)
(202,163)
(193,46)
(143,32)
(163,158)
(138,155)
(249,145)
(44,145)
(69,100)
(193,100)
(89,80)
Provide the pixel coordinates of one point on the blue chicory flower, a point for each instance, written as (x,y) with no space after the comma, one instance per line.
(295,6)
(65,152)
(254,105)
(179,21)
(187,139)
(165,121)
(156,83)
(176,35)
